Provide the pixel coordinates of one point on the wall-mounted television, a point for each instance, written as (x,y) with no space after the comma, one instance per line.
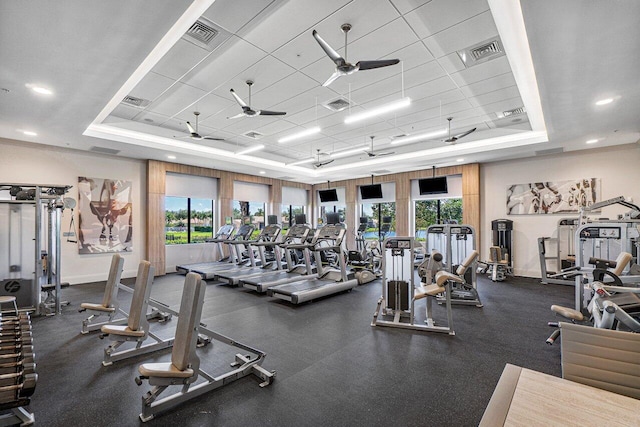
(436,185)
(330,195)
(373,191)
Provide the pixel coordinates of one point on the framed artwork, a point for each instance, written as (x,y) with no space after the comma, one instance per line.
(104,215)
(552,196)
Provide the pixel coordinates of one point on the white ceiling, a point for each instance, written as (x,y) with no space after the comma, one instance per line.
(560,58)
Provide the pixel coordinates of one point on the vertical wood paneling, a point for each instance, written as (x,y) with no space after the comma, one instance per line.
(471,199)
(350,211)
(155,215)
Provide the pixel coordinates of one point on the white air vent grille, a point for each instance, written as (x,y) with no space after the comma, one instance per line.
(514,112)
(481,52)
(206,34)
(133,101)
(336,105)
(253,134)
(104,150)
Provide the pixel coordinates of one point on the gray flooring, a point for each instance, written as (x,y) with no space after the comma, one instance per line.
(333,368)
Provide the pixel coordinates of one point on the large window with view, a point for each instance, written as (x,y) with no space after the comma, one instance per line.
(188,220)
(252,212)
(438,208)
(381,220)
(288,215)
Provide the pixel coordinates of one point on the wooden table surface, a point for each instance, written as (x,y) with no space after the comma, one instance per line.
(529,398)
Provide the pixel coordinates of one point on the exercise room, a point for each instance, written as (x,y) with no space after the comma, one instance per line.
(319,213)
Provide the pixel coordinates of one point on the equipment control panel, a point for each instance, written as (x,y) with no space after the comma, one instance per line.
(398,244)
(600,233)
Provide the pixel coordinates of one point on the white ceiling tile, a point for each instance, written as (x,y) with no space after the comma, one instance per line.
(180,59)
(482,71)
(489,85)
(217,69)
(283,90)
(438,15)
(233,15)
(462,35)
(405,6)
(293,17)
(495,96)
(125,112)
(179,97)
(504,105)
(451,63)
(151,86)
(208,105)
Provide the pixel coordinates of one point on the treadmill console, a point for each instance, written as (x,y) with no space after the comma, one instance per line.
(398,244)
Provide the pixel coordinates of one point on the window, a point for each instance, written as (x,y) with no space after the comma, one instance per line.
(188,220)
(436,211)
(288,215)
(381,219)
(340,209)
(254,211)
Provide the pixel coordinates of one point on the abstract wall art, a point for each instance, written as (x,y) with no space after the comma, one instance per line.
(552,196)
(105,215)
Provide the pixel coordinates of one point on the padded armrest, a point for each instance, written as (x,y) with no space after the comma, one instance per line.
(97,307)
(429,290)
(569,313)
(443,276)
(164,370)
(121,330)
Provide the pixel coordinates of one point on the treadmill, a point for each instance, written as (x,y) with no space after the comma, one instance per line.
(296,236)
(208,270)
(224,233)
(328,280)
(268,235)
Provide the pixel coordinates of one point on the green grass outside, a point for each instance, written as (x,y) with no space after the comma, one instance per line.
(180,237)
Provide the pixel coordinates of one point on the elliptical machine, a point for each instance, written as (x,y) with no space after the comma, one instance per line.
(365,260)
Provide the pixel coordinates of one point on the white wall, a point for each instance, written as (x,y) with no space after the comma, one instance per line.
(617,167)
(41,164)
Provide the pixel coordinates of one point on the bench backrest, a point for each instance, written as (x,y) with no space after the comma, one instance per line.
(115,273)
(140,300)
(186,338)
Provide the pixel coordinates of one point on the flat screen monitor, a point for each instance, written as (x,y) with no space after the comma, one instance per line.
(328,195)
(373,191)
(437,185)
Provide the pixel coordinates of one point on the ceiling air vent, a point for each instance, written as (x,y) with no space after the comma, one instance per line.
(253,134)
(202,33)
(514,112)
(336,105)
(133,101)
(103,150)
(481,52)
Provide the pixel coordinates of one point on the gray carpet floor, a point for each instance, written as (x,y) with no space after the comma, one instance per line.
(333,368)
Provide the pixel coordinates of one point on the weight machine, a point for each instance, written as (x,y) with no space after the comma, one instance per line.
(500,263)
(396,306)
(560,250)
(30,220)
(455,243)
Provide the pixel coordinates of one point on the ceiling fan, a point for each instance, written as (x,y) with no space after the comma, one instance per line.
(193,132)
(318,163)
(453,139)
(372,153)
(344,68)
(247,111)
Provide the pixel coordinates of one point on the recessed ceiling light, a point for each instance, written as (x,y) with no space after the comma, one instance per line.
(302,162)
(29,133)
(592,141)
(251,149)
(306,132)
(348,152)
(171,157)
(262,172)
(39,89)
(604,101)
(459,160)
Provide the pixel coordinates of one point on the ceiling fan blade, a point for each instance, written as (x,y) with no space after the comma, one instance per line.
(270,113)
(238,100)
(211,138)
(335,56)
(320,164)
(462,135)
(237,116)
(368,65)
(192,131)
(330,80)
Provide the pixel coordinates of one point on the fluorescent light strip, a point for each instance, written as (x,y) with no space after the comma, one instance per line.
(404,102)
(419,137)
(250,149)
(346,153)
(29,133)
(306,132)
(301,162)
